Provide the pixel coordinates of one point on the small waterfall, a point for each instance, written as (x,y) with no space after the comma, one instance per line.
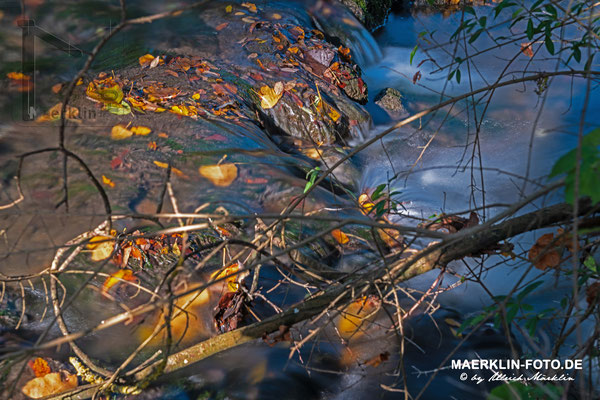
(340,25)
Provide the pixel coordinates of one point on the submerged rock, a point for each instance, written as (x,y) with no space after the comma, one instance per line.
(391,101)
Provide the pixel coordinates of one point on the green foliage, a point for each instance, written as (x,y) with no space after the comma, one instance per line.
(589,176)
(311,176)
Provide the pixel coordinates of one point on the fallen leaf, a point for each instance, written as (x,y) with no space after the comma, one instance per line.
(39,366)
(111,93)
(276,16)
(152,146)
(107,181)
(120,275)
(219,175)
(222,26)
(56,88)
(161,164)
(269,97)
(50,384)
(250,6)
(119,132)
(140,130)
(101,246)
(228,8)
(340,236)
(356,314)
(17,76)
(118,109)
(378,359)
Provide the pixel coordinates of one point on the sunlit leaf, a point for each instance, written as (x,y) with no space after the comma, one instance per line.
(101,246)
(232,283)
(356,314)
(340,236)
(120,275)
(107,181)
(220,174)
(119,109)
(270,96)
(50,384)
(140,130)
(119,132)
(228,8)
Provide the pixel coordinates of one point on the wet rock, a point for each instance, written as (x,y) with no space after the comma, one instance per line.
(391,100)
(372,13)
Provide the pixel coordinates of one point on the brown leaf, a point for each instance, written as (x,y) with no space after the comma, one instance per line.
(544,254)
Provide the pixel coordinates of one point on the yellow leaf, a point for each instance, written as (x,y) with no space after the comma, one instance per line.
(50,384)
(340,236)
(161,164)
(103,249)
(276,16)
(333,114)
(219,175)
(313,153)
(196,96)
(232,284)
(146,59)
(17,76)
(140,130)
(110,95)
(120,275)
(269,97)
(355,315)
(119,132)
(107,181)
(228,8)
(365,202)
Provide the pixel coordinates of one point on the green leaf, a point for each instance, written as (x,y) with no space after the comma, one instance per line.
(118,109)
(475,35)
(529,29)
(549,44)
(413,52)
(530,288)
(590,263)
(458,76)
(469,10)
(483,21)
(377,193)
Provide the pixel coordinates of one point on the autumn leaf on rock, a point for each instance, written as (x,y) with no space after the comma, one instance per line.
(50,384)
(270,96)
(119,132)
(220,174)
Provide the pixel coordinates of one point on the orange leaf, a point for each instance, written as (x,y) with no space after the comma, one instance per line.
(120,275)
(340,236)
(250,6)
(107,181)
(53,114)
(103,249)
(365,203)
(356,314)
(152,146)
(526,49)
(232,284)
(220,174)
(39,366)
(222,26)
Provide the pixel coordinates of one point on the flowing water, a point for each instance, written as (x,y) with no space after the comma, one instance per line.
(516,141)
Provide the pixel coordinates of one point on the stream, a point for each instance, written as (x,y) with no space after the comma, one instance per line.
(432,163)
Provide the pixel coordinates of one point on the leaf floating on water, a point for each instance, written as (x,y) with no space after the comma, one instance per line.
(219,175)
(270,96)
(50,384)
(107,181)
(340,236)
(228,8)
(176,171)
(119,132)
(39,366)
(356,314)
